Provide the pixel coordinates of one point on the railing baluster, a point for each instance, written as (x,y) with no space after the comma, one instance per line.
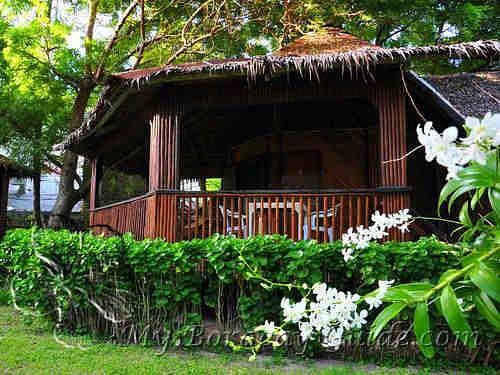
(325,218)
(211,215)
(359,218)
(341,216)
(255,228)
(308,218)
(246,202)
(165,216)
(182,204)
(231,217)
(217,213)
(196,216)
(285,214)
(367,210)
(173,215)
(255,216)
(301,217)
(317,208)
(224,215)
(189,216)
(335,214)
(351,216)
(261,216)
(240,218)
(277,216)
(203,215)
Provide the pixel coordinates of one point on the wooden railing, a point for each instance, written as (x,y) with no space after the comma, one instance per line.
(177,215)
(120,218)
(323,216)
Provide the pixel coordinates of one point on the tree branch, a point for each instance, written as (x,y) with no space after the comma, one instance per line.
(214,16)
(190,20)
(64,77)
(395,32)
(114,39)
(89,34)
(14,123)
(191,43)
(143,37)
(146,44)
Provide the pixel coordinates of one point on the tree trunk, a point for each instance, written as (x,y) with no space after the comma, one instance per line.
(67,195)
(37,212)
(37,167)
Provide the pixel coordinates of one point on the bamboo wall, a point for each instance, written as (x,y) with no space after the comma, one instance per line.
(164,152)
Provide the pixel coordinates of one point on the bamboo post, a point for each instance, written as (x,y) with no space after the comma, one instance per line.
(390,101)
(95,180)
(164,169)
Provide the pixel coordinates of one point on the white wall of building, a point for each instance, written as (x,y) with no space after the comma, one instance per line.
(21,194)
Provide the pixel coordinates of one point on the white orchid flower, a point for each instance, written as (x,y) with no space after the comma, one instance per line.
(474,152)
(482,131)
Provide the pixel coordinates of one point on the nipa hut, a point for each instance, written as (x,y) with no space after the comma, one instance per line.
(306,141)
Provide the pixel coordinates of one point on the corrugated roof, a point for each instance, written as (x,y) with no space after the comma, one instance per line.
(472,94)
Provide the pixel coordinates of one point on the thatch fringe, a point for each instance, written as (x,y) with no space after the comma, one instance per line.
(358,62)
(351,61)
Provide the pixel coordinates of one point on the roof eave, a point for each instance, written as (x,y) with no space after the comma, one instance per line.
(456,116)
(355,62)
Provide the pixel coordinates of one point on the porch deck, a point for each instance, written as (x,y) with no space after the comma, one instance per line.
(181,215)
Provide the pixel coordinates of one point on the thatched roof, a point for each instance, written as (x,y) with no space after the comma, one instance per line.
(430,97)
(352,62)
(310,55)
(13,169)
(328,40)
(471,94)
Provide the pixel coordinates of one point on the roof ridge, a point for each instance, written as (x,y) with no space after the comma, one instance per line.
(326,40)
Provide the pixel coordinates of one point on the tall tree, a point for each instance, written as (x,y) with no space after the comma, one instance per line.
(32,112)
(141,33)
(77,44)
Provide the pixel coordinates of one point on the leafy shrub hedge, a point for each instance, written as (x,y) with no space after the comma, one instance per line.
(150,287)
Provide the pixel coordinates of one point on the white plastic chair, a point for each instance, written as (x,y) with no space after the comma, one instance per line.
(240,221)
(315,218)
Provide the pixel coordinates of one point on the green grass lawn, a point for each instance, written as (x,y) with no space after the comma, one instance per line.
(32,349)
